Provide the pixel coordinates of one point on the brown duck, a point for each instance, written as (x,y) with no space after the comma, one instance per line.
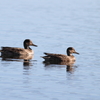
(57,58)
(12,51)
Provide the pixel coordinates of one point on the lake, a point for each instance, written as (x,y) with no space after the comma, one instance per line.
(53,25)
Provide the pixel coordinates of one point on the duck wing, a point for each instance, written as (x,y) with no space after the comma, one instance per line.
(55,57)
(12,50)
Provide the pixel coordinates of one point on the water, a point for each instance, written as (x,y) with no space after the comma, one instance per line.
(53,25)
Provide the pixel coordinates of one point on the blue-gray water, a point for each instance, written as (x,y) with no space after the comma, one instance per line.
(53,25)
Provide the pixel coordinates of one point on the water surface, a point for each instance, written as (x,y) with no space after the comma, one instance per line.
(53,26)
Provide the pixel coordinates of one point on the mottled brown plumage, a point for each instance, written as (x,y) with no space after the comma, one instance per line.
(57,58)
(12,51)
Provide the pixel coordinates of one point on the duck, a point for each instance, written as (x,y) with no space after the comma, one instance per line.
(58,58)
(14,51)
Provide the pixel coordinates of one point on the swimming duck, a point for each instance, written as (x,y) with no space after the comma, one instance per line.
(12,51)
(57,58)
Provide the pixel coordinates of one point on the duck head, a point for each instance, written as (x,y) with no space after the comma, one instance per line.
(28,43)
(71,50)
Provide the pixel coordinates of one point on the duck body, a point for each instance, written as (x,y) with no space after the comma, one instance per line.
(13,51)
(16,51)
(58,58)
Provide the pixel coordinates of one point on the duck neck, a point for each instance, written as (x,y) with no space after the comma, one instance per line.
(68,53)
(26,47)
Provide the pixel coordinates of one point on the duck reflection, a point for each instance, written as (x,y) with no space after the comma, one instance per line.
(69,65)
(27,64)
(70,68)
(26,60)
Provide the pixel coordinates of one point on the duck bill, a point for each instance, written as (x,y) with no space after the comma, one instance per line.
(34,45)
(76,53)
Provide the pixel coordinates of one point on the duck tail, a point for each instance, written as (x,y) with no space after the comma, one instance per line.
(42,57)
(45,57)
(45,53)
